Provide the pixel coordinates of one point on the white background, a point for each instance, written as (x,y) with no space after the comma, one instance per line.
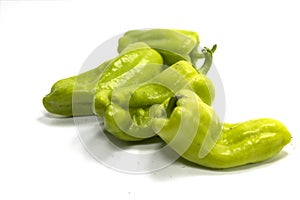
(44,41)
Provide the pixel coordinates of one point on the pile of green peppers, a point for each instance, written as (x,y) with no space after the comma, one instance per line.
(154,88)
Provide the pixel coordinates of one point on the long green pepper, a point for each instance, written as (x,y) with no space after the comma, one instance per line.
(173,45)
(74,96)
(140,98)
(194,131)
(127,104)
(60,99)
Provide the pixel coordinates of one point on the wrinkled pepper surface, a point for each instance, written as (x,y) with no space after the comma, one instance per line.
(247,142)
(74,96)
(194,131)
(128,125)
(173,45)
(59,100)
(128,115)
(178,76)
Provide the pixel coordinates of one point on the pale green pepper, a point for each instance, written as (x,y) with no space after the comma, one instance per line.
(173,45)
(74,96)
(128,109)
(194,131)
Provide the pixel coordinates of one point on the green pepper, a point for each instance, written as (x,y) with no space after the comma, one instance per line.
(127,114)
(142,63)
(59,100)
(128,125)
(74,96)
(121,117)
(194,131)
(178,76)
(173,45)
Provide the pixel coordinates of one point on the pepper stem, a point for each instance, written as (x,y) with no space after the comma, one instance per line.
(208,55)
(171,105)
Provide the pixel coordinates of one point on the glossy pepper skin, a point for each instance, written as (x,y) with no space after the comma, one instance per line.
(124,102)
(128,125)
(184,122)
(194,131)
(173,45)
(119,118)
(74,96)
(140,63)
(247,142)
(178,76)
(59,100)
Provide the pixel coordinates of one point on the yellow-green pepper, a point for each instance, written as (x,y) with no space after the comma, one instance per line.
(194,131)
(128,125)
(74,96)
(178,76)
(173,45)
(127,113)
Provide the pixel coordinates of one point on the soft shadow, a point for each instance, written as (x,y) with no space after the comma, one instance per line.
(182,168)
(133,144)
(55,120)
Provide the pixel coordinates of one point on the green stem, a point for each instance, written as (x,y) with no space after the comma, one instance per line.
(197,55)
(171,105)
(208,55)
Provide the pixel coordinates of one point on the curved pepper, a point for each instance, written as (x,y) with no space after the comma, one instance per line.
(178,76)
(184,121)
(192,129)
(127,114)
(74,96)
(143,63)
(59,100)
(247,142)
(128,125)
(120,117)
(173,45)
